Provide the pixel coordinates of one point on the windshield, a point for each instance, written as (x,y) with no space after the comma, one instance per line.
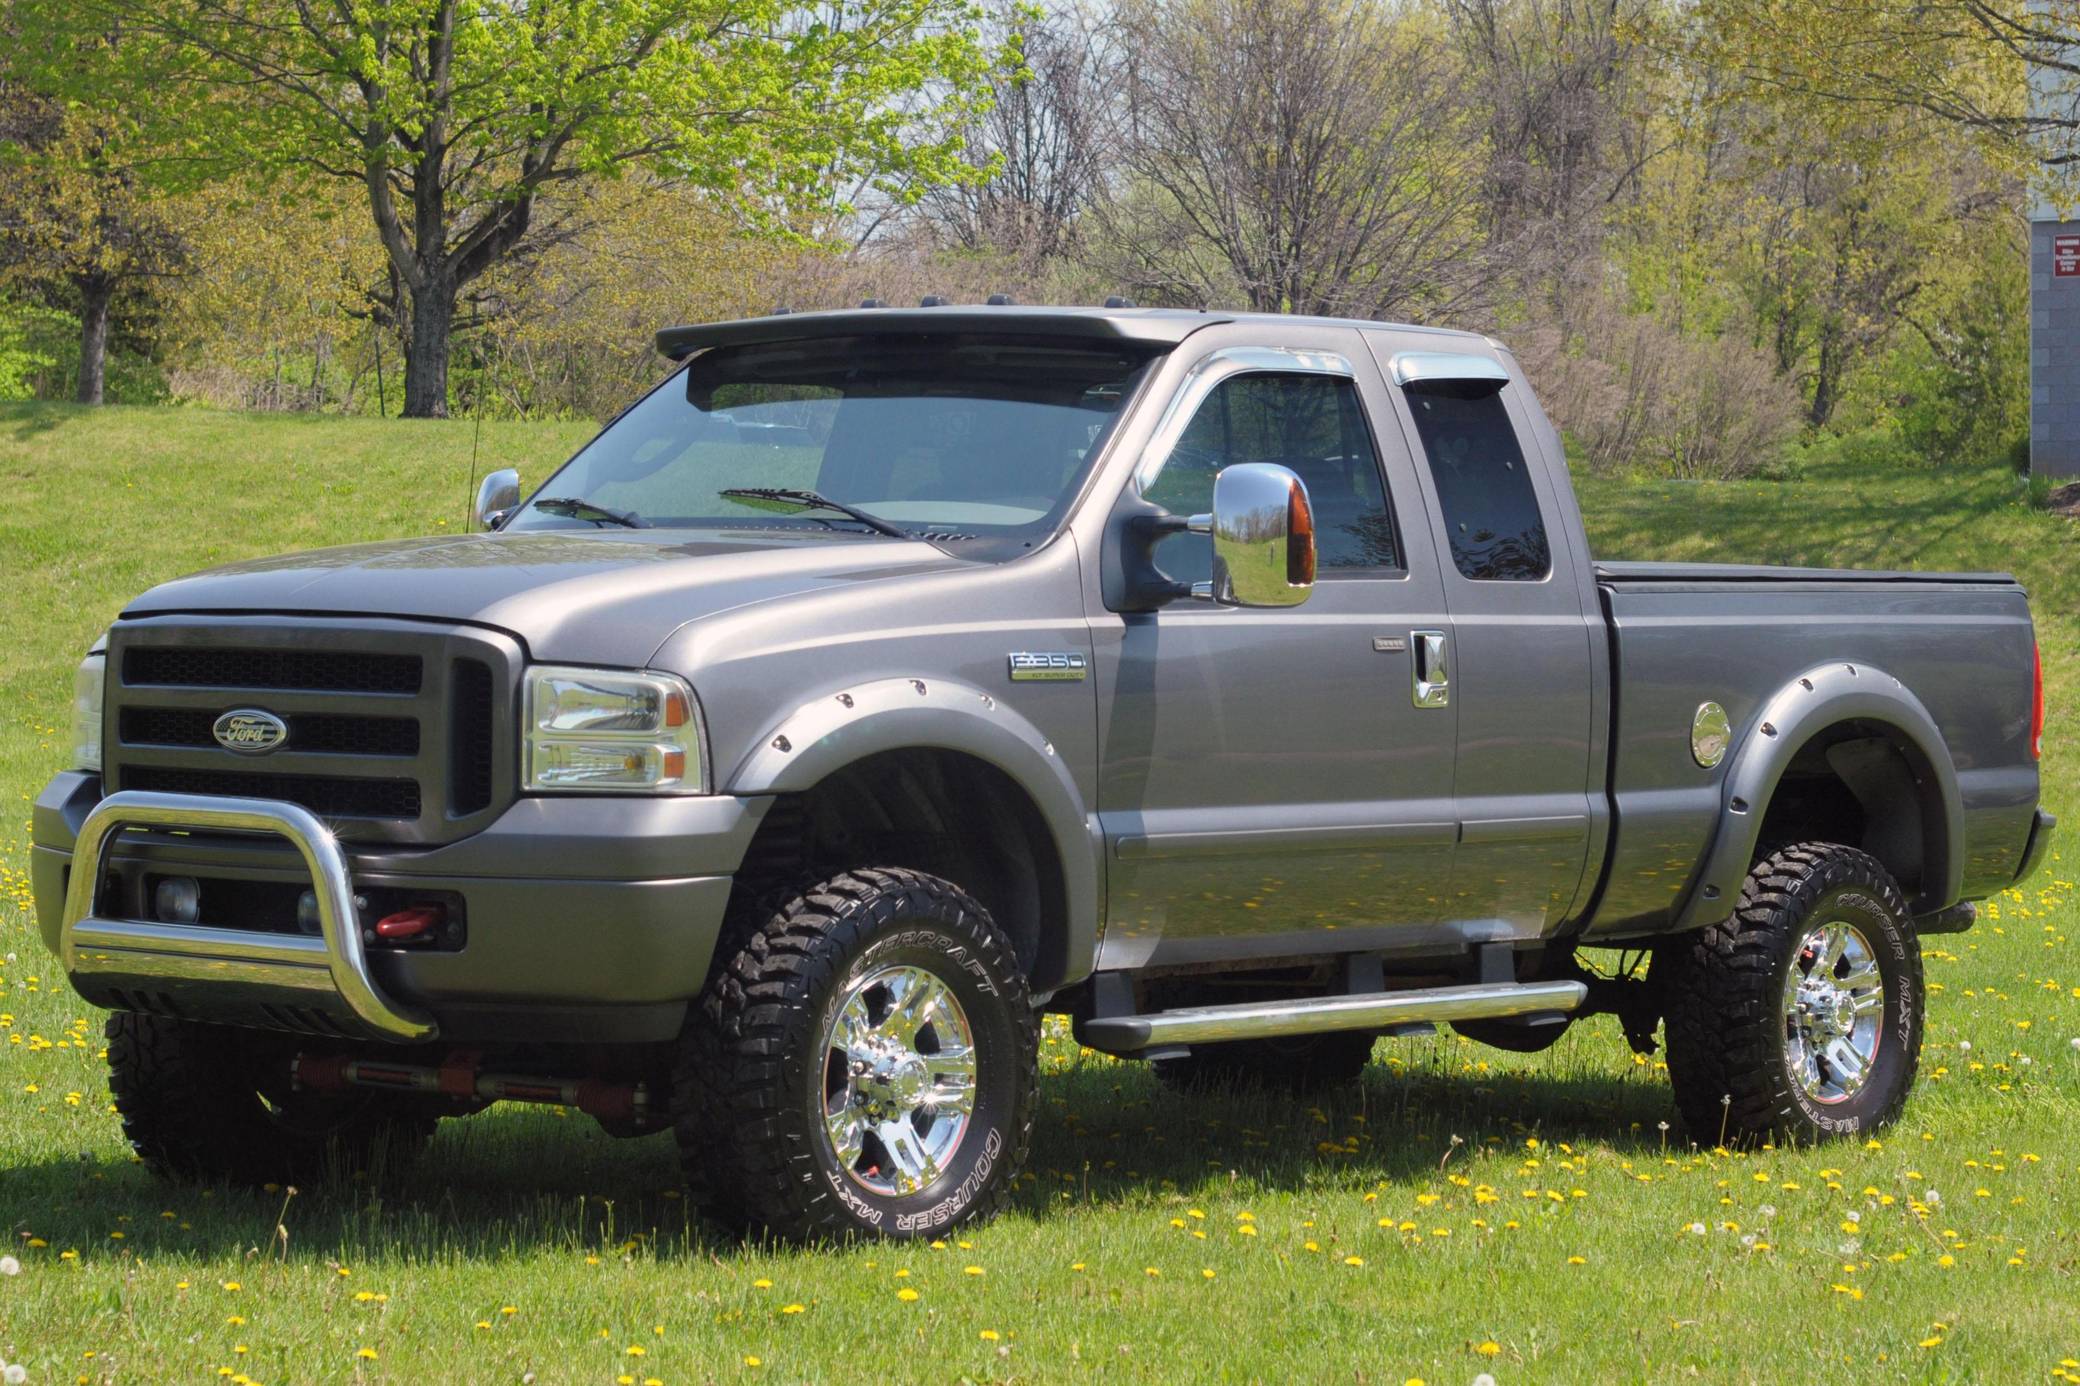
(949,439)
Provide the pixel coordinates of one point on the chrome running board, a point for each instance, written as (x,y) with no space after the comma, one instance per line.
(1310,1015)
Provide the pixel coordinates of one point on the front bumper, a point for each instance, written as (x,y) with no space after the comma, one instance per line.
(589,919)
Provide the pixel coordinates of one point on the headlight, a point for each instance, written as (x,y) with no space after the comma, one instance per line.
(592,731)
(87,683)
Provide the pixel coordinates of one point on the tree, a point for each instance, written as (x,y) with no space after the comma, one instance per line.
(1305,156)
(72,214)
(457,118)
(1967,63)
(279,301)
(1550,80)
(1048,138)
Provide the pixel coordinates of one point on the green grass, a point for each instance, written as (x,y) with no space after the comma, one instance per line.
(531,1242)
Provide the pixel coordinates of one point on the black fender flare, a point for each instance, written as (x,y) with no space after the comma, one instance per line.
(825,735)
(1821,697)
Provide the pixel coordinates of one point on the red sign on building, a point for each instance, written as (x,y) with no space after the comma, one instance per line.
(2065,257)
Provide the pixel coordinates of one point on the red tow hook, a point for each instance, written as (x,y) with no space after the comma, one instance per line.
(411,923)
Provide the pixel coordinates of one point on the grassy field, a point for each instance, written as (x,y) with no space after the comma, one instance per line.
(1464,1212)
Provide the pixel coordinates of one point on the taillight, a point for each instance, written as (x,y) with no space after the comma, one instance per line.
(2036,710)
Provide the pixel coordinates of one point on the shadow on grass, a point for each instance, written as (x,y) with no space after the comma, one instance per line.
(517,1182)
(27,419)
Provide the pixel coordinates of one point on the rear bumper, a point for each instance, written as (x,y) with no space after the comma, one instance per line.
(2041,830)
(589,919)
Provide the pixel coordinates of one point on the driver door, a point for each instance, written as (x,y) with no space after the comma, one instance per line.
(1266,776)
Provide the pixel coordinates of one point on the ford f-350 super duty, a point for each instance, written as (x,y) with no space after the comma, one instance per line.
(1239,686)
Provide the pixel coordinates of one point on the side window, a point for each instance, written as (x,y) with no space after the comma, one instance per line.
(1484,488)
(1313,424)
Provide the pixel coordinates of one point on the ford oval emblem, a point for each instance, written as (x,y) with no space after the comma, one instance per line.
(249,731)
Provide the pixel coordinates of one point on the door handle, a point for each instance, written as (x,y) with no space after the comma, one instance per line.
(1433,678)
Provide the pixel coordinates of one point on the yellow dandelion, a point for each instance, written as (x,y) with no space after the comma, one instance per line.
(794,1309)
(1354,1260)
(989,1335)
(367,1354)
(906,1294)
(1488,1348)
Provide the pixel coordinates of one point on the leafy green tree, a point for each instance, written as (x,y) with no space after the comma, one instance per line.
(1967,63)
(74,219)
(457,119)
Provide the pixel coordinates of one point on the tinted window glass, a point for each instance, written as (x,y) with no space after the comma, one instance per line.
(1483,486)
(1312,424)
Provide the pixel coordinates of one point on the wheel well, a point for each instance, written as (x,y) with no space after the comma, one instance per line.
(1863,784)
(944,812)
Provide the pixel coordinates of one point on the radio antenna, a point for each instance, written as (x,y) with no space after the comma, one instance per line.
(476,436)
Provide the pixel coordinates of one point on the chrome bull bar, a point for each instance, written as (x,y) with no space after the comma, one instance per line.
(329,972)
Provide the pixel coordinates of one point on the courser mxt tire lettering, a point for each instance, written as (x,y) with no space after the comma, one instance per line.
(1799,1017)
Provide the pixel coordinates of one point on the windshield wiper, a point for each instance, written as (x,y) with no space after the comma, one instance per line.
(792,502)
(585,510)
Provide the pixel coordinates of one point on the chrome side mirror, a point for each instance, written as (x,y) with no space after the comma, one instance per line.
(497,496)
(1263,537)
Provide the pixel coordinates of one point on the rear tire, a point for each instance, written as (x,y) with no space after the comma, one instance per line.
(863,1063)
(1798,1019)
(1296,1064)
(209,1102)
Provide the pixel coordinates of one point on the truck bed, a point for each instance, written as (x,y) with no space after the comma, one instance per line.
(1801,649)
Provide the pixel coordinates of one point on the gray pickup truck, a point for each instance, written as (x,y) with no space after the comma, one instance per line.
(1241,687)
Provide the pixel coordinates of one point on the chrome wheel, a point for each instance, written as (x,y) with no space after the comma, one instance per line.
(1834,1003)
(899,1080)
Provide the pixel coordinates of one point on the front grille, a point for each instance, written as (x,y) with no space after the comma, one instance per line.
(397,731)
(321,671)
(331,796)
(318,732)
(470,752)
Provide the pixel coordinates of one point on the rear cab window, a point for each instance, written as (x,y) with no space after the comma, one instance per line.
(1484,488)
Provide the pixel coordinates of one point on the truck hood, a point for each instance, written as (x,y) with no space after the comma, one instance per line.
(580,598)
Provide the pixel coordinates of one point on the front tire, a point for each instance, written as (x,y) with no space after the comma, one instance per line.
(208,1102)
(863,1063)
(1798,1019)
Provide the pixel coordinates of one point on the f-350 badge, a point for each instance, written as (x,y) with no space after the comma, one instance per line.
(1048,666)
